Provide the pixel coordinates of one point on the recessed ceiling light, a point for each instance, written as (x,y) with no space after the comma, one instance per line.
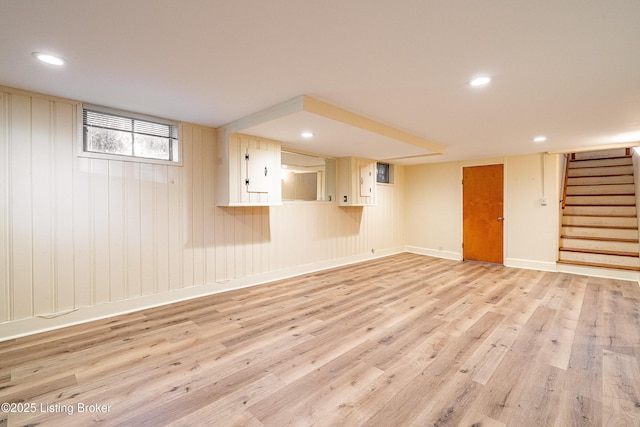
(627,137)
(48,59)
(480,81)
(540,138)
(307,134)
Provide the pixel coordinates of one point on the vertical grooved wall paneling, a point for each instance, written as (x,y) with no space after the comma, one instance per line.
(162,228)
(187,205)
(197,213)
(42,203)
(20,208)
(78,231)
(5,296)
(63,225)
(132,227)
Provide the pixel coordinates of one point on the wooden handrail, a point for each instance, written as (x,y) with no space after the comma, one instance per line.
(566,179)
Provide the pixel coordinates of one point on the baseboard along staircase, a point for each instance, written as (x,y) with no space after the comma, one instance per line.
(599,218)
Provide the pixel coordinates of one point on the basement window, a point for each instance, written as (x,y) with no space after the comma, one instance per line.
(384,173)
(109,133)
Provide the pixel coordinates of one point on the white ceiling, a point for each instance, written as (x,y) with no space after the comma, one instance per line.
(331,138)
(567,69)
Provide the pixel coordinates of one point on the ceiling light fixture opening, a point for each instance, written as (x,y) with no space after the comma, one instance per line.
(540,138)
(49,59)
(307,134)
(480,81)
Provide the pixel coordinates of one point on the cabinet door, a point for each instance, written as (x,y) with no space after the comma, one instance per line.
(260,170)
(367,180)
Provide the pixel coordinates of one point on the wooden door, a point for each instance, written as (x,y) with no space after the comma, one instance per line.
(482,213)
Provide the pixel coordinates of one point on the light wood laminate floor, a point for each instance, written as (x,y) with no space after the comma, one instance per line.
(401,340)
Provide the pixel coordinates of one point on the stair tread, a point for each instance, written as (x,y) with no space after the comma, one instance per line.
(593,264)
(602,194)
(614,227)
(601,252)
(574,165)
(605,205)
(599,176)
(594,180)
(600,239)
(598,184)
(600,158)
(626,156)
(602,216)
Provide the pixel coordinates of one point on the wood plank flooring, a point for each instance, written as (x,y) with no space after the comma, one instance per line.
(402,340)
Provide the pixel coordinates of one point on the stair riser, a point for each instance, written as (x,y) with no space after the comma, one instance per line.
(573,190)
(598,221)
(601,200)
(600,259)
(598,163)
(614,152)
(603,171)
(600,210)
(599,245)
(600,180)
(599,232)
(616,161)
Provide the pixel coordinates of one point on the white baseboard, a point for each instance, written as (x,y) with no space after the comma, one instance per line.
(530,265)
(33,325)
(606,273)
(455,256)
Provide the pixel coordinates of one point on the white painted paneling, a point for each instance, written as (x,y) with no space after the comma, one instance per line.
(4,207)
(197,212)
(20,208)
(77,232)
(208,207)
(64,280)
(42,205)
(117,214)
(101,237)
(187,206)
(133,247)
(82,235)
(162,228)
(147,230)
(175,195)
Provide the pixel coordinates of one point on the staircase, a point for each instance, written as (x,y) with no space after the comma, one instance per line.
(599,220)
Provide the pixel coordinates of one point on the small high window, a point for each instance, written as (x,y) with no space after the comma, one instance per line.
(383,173)
(118,133)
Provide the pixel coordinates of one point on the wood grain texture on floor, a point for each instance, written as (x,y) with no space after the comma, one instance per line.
(397,341)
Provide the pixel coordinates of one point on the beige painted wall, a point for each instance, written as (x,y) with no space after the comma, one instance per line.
(115,235)
(433,196)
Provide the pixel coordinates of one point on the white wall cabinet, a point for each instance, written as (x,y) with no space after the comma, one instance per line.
(356,181)
(248,171)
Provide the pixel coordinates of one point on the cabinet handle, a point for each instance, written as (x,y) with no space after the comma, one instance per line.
(265,171)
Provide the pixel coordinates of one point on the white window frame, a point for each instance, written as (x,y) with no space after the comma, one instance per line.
(82,151)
